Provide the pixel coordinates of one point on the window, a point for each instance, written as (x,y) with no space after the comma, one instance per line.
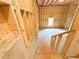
(50,21)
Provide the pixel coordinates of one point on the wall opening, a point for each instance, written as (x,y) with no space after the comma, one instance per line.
(50,21)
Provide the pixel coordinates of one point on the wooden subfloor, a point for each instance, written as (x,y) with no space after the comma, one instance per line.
(44,52)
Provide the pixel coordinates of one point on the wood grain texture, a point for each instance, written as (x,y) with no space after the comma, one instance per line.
(55,2)
(59,40)
(53,40)
(71,36)
(9,31)
(27,14)
(59,14)
(44,51)
(19,16)
(70,16)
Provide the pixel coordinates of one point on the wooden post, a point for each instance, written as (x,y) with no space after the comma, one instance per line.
(53,40)
(59,40)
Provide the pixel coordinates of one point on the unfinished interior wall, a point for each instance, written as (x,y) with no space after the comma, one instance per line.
(19,50)
(73,49)
(59,14)
(72,36)
(70,15)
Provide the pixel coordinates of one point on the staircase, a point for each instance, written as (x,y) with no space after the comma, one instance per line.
(44,52)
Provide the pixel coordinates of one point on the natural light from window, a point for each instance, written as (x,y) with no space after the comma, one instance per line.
(50,21)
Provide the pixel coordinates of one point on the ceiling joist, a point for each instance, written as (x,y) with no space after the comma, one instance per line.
(54,2)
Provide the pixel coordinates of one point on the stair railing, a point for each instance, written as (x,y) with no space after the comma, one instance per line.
(56,40)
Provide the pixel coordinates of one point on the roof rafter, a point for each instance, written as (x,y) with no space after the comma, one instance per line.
(43,2)
(47,2)
(54,2)
(51,2)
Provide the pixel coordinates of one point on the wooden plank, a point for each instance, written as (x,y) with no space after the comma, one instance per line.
(64,32)
(21,24)
(53,40)
(59,40)
(5,2)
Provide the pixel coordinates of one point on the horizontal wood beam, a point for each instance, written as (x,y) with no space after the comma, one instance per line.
(63,33)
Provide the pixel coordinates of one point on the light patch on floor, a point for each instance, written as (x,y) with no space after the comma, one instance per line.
(45,35)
